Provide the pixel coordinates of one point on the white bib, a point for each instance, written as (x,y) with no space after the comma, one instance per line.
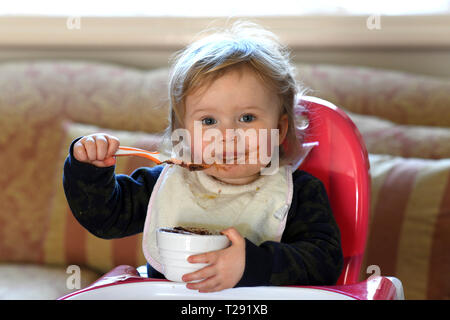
(194,199)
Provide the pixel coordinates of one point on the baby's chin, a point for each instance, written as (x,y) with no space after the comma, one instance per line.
(235,173)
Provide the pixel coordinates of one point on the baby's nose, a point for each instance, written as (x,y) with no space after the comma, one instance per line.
(230,135)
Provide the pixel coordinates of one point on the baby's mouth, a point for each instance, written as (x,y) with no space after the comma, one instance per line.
(232,158)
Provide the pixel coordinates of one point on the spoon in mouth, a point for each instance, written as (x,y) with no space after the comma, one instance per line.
(158,158)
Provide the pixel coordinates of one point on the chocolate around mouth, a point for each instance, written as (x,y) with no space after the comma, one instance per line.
(189,166)
(198,166)
(202,166)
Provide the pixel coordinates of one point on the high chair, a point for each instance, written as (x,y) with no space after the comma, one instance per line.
(340,160)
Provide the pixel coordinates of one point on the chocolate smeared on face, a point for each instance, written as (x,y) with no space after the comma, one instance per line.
(189,166)
(196,166)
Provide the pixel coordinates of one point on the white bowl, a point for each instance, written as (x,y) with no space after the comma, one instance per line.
(175,248)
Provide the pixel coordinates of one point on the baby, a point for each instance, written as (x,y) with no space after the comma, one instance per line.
(238,89)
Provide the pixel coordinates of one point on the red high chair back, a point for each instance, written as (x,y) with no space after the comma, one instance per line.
(341,162)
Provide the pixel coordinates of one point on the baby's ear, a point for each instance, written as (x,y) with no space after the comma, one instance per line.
(283,125)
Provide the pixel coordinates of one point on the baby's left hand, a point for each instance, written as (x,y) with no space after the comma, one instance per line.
(225,268)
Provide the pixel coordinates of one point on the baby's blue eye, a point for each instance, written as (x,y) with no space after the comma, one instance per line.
(208,121)
(247,118)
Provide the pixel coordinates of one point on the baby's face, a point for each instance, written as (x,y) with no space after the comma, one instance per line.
(236,100)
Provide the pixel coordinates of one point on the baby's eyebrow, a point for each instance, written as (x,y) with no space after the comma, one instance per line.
(200,110)
(252,107)
(212,110)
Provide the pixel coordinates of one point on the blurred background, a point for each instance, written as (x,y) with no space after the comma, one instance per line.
(71,68)
(404,35)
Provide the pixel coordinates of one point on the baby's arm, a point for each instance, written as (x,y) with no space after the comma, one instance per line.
(310,250)
(106,204)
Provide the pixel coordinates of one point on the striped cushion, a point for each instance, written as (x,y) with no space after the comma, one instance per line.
(66,241)
(410,224)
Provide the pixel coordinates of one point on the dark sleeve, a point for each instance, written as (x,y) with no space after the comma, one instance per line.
(310,250)
(108,205)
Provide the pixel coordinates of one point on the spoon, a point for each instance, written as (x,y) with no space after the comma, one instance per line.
(158,158)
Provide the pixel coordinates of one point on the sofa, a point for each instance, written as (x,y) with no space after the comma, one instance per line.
(403,118)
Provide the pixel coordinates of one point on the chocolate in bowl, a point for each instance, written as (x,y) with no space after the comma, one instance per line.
(190,230)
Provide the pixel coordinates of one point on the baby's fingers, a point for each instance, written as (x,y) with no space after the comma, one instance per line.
(207,257)
(203,273)
(102,147)
(91,147)
(97,149)
(107,147)
(79,152)
(113,146)
(106,163)
(210,284)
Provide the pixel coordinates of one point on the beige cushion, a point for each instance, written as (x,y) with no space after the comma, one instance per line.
(385,137)
(400,97)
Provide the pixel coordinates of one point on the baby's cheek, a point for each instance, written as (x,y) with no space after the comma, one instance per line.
(208,151)
(202,150)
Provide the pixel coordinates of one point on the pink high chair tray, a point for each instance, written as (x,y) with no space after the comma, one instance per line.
(125,283)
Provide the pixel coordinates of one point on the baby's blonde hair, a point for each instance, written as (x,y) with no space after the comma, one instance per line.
(243,45)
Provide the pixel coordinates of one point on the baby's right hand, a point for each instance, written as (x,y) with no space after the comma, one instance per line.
(97,149)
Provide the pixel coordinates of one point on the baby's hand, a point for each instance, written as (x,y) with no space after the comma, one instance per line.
(97,149)
(225,268)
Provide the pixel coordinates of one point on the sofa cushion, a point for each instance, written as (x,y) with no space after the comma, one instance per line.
(66,241)
(409,232)
(409,141)
(101,94)
(28,281)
